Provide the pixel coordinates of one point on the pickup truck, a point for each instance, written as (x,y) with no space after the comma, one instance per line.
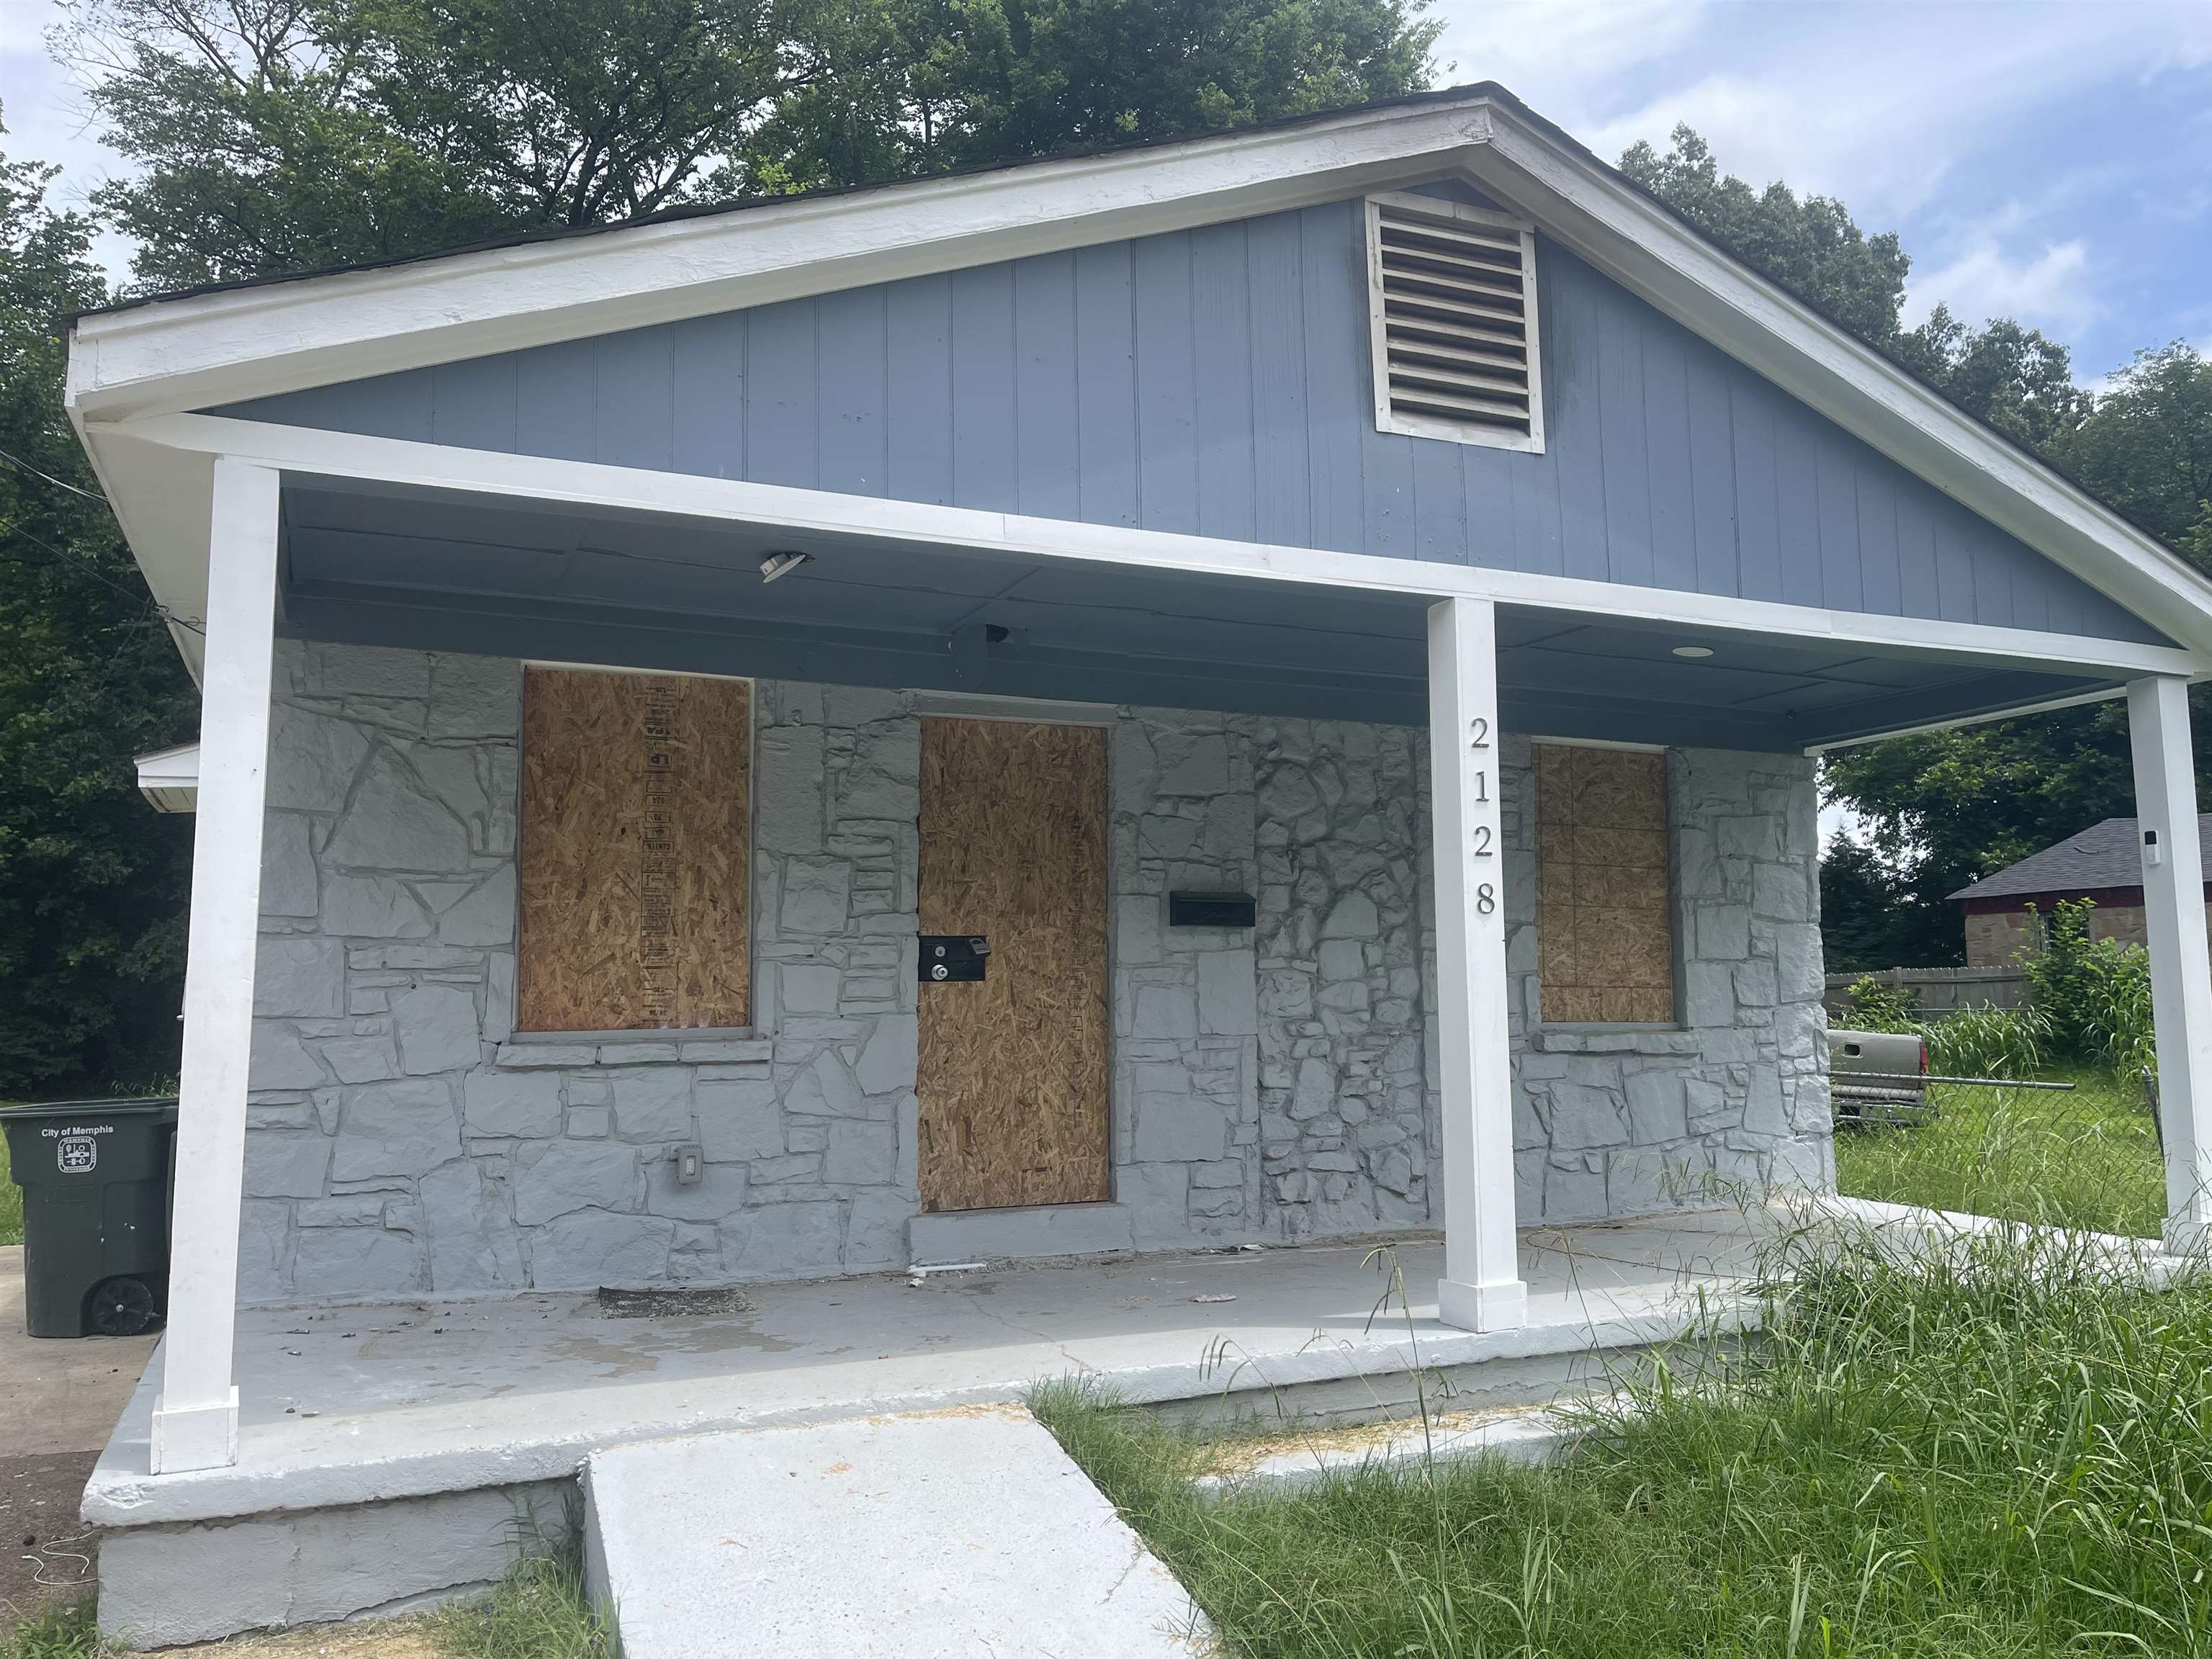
(1878,1077)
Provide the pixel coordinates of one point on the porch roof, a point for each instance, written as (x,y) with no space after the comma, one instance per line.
(447,570)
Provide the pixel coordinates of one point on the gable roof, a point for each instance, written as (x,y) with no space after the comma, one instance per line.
(730,205)
(241,342)
(2104,855)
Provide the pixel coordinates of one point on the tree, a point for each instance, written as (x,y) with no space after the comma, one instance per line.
(2017,378)
(1811,245)
(1875,914)
(92,880)
(2148,447)
(285,135)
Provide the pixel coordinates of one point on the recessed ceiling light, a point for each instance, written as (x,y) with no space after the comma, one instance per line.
(1693,651)
(781,564)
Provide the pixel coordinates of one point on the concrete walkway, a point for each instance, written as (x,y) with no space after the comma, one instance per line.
(937,1535)
(58,1402)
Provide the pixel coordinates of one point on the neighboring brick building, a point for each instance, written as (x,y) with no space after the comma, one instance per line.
(2102,864)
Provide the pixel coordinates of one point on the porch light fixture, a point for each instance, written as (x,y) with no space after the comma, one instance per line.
(1693,651)
(781,564)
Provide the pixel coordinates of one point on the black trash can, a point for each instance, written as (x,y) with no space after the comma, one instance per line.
(95,1175)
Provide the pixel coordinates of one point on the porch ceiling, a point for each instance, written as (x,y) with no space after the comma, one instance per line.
(445,571)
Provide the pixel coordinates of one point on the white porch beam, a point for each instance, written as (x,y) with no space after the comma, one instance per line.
(195,1414)
(1481,1289)
(2180,971)
(800,514)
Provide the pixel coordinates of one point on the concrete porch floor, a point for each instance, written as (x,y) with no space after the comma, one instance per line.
(366,1404)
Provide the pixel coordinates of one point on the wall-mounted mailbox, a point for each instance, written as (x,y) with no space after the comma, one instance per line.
(948,958)
(1212,911)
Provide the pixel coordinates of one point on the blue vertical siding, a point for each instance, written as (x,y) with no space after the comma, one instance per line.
(1217,382)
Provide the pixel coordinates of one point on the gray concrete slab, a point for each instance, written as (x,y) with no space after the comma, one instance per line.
(357,1405)
(949,1533)
(59,1394)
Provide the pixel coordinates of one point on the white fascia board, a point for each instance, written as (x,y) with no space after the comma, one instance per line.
(162,497)
(170,778)
(2048,706)
(225,347)
(801,512)
(1653,254)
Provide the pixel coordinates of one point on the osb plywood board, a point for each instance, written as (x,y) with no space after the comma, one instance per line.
(1604,921)
(1013,1071)
(634,852)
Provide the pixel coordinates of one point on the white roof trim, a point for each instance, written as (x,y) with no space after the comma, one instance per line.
(880,520)
(170,778)
(217,348)
(228,345)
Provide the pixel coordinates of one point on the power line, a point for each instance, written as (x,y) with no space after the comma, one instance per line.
(101,576)
(22,466)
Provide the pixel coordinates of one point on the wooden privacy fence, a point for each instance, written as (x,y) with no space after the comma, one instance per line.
(1939,990)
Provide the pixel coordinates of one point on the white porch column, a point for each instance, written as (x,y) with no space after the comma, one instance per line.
(195,1414)
(1481,1289)
(2180,974)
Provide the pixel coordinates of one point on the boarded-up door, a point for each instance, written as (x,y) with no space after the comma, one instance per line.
(1012,1070)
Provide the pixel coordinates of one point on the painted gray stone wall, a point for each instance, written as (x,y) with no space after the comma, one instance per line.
(1614,1122)
(404,1139)
(1269,1085)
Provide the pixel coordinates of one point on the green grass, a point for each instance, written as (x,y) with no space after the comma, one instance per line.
(540,1612)
(2086,1159)
(11,1202)
(61,1630)
(1994,1456)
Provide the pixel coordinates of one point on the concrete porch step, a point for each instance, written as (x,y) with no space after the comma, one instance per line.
(959,1532)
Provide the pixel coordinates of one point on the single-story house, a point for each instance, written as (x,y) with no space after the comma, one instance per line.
(2004,912)
(1241,691)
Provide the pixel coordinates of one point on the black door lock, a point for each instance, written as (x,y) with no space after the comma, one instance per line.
(947,958)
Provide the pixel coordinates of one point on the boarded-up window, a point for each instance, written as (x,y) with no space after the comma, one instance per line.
(635,855)
(1604,920)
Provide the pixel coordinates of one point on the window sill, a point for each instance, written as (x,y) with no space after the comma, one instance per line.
(1614,1040)
(701,1045)
(687,1034)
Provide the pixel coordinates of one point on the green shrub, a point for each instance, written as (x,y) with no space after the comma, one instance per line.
(1873,1007)
(2093,993)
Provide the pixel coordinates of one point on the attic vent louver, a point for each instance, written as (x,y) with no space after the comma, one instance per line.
(1452,299)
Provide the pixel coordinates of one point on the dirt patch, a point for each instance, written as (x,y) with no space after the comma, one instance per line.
(370,1638)
(1234,1453)
(45,1552)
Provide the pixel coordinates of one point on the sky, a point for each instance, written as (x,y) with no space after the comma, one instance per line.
(2049,162)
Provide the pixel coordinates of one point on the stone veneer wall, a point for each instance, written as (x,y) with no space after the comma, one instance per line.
(1614,1122)
(1269,1085)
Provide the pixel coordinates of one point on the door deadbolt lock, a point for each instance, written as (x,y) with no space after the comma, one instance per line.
(949,957)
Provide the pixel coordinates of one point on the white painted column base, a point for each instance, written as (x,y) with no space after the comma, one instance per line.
(2188,1236)
(194,1437)
(1503,1306)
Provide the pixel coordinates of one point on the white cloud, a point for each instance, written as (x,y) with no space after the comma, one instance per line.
(1564,57)
(1874,104)
(2054,289)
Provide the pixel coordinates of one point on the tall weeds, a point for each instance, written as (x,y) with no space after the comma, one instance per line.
(1999,1448)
